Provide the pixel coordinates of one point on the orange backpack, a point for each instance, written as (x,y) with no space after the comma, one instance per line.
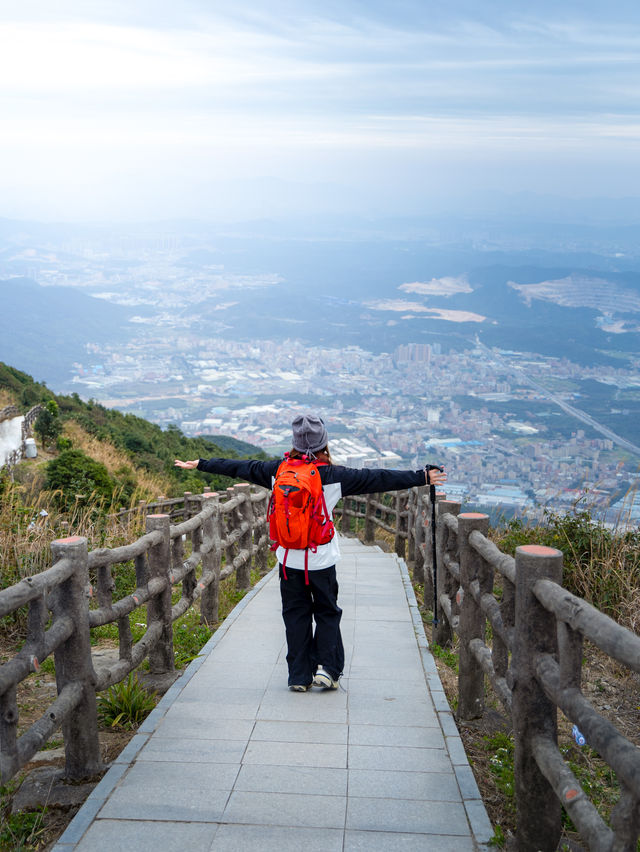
(298,516)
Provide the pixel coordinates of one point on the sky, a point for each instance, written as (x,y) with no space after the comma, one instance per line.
(135,110)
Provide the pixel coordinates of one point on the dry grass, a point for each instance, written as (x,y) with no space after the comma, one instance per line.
(6,398)
(150,485)
(30,517)
(28,526)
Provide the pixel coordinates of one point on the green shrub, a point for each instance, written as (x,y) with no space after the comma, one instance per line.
(73,473)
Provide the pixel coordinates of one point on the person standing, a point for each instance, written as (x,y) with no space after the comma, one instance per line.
(308,581)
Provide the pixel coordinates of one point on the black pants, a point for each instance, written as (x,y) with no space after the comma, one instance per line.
(301,606)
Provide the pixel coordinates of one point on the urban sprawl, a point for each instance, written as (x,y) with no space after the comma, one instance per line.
(409,406)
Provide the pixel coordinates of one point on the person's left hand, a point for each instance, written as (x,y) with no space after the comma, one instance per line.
(186,465)
(435,477)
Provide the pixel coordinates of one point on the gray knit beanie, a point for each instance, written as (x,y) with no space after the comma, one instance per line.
(309,433)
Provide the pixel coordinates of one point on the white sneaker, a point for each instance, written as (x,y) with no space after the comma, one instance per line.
(323,678)
(299,687)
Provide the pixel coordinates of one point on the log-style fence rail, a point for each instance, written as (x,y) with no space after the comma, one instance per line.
(227,533)
(533,660)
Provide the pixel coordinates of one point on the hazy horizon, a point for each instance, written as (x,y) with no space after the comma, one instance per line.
(153,112)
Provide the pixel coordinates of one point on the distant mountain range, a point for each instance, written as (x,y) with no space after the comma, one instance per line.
(43,330)
(375,293)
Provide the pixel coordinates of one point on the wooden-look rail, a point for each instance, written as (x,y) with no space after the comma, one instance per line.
(76,594)
(533,661)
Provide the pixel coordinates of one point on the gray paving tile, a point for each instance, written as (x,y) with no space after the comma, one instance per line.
(479,821)
(467,782)
(147,836)
(174,803)
(396,735)
(295,754)
(291,809)
(253,838)
(81,822)
(196,751)
(130,751)
(315,706)
(317,780)
(159,776)
(448,723)
(456,751)
(300,732)
(179,727)
(430,786)
(205,710)
(406,816)
(399,758)
(369,841)
(403,670)
(381,712)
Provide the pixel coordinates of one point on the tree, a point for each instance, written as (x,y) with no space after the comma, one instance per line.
(48,424)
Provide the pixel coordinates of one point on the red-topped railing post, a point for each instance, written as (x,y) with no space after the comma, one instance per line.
(534,714)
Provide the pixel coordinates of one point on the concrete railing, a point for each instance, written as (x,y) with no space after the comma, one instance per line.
(533,661)
(76,594)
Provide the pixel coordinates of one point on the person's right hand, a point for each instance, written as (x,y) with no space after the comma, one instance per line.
(186,465)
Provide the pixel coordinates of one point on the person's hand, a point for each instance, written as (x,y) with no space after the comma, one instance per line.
(435,476)
(186,465)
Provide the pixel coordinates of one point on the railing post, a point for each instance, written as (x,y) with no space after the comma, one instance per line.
(402,500)
(260,534)
(244,515)
(369,520)
(537,807)
(73,661)
(192,506)
(187,506)
(211,560)
(345,520)
(161,658)
(419,565)
(447,585)
(472,621)
(230,520)
(411,536)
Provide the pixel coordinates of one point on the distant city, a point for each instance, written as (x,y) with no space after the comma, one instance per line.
(384,409)
(513,427)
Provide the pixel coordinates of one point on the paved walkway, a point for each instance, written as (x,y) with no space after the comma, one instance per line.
(232,760)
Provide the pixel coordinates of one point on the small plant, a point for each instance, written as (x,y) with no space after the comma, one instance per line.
(126,704)
(448,657)
(501,766)
(18,832)
(188,639)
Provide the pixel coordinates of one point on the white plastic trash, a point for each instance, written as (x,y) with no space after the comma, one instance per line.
(30,449)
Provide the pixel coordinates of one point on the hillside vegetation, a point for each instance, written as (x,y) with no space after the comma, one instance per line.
(92,461)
